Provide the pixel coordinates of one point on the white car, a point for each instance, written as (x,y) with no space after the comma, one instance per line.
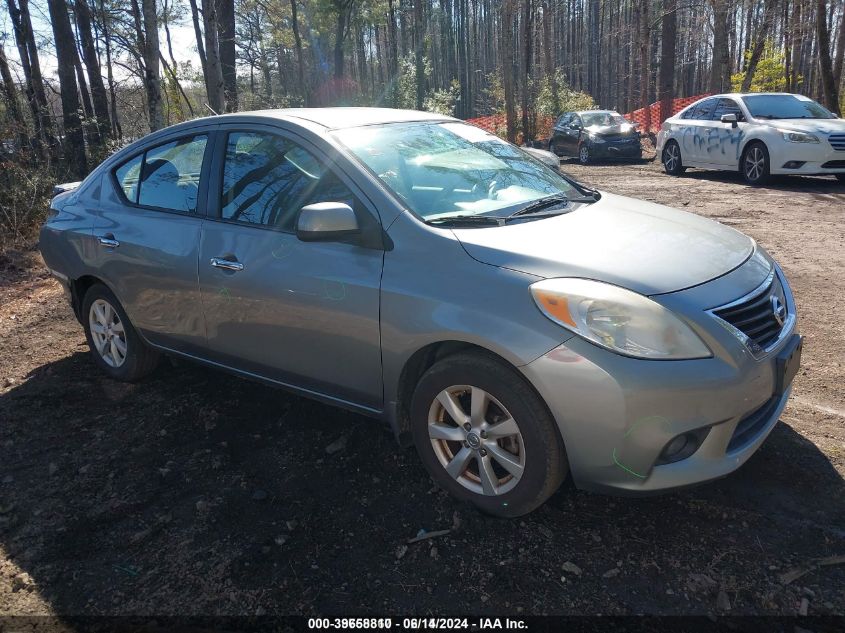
(757,134)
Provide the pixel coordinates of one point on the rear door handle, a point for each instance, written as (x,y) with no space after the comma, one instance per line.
(226,264)
(108,241)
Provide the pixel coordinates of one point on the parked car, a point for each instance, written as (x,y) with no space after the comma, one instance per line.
(511,323)
(757,134)
(595,135)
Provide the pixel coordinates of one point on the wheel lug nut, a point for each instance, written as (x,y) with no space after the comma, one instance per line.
(483,452)
(466,444)
(484,434)
(467,426)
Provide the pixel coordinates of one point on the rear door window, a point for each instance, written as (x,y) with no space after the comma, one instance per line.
(166,176)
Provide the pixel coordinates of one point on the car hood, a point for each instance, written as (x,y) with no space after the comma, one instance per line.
(645,247)
(823,126)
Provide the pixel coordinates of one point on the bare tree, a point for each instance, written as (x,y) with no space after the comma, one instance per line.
(75,160)
(214,71)
(226,44)
(99,97)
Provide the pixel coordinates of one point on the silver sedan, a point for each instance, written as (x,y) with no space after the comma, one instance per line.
(514,325)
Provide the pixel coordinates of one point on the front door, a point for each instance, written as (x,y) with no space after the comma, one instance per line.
(301,313)
(724,140)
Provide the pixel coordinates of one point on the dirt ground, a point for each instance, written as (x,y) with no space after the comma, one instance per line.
(198,493)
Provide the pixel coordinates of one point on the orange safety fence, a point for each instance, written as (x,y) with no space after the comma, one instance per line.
(650,118)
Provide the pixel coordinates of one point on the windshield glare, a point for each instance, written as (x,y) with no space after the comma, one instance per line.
(449,169)
(785,107)
(602,119)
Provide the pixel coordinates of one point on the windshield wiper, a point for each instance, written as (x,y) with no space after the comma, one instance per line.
(484,220)
(537,205)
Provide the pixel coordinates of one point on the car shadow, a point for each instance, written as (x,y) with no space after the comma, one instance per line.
(803,184)
(195,492)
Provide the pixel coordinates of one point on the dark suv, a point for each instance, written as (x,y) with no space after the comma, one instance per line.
(595,135)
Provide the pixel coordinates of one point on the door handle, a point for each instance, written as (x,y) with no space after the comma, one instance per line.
(108,241)
(226,264)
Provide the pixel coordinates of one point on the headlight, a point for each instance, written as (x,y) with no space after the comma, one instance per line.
(620,320)
(595,138)
(799,137)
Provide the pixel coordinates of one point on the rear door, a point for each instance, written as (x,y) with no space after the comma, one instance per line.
(559,132)
(147,234)
(571,135)
(301,313)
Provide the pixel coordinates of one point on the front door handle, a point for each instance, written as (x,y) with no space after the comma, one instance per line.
(108,241)
(226,264)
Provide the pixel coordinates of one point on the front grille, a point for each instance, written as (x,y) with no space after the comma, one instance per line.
(755,315)
(837,141)
(751,425)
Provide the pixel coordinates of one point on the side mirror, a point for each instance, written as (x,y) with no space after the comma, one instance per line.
(574,126)
(729,118)
(327,222)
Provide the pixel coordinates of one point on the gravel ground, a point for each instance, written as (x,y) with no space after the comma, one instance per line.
(198,493)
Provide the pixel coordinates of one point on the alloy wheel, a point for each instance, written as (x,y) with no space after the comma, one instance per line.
(584,154)
(476,440)
(755,163)
(107,332)
(672,157)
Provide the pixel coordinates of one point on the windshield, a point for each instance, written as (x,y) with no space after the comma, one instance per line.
(785,107)
(602,118)
(450,169)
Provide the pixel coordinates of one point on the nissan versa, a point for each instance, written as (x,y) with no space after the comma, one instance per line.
(513,324)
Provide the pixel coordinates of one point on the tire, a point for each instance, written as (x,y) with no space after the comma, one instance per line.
(755,164)
(537,459)
(584,154)
(118,350)
(551,148)
(671,159)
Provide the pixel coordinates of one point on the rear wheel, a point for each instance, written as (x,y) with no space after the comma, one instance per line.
(115,345)
(755,164)
(485,436)
(672,163)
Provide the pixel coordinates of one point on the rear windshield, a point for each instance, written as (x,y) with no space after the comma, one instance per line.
(785,107)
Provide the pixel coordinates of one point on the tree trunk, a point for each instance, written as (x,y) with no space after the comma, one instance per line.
(527,132)
(152,78)
(195,18)
(300,62)
(720,72)
(645,66)
(99,97)
(506,49)
(75,160)
(840,50)
(829,86)
(419,52)
(214,75)
(668,38)
(10,94)
(226,46)
(759,44)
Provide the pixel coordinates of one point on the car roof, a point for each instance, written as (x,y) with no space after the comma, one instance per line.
(344,117)
(580,112)
(750,94)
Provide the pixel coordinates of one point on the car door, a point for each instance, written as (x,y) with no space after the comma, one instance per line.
(559,132)
(147,234)
(723,140)
(301,313)
(695,131)
(572,135)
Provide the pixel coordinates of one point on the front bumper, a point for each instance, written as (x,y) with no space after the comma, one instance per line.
(610,150)
(616,414)
(814,158)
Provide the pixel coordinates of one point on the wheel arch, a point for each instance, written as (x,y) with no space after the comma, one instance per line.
(421,361)
(745,145)
(78,288)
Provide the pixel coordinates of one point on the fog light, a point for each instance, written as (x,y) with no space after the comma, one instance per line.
(793,164)
(682,446)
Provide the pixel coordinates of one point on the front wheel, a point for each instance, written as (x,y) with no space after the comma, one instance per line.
(115,345)
(485,436)
(584,154)
(672,163)
(755,164)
